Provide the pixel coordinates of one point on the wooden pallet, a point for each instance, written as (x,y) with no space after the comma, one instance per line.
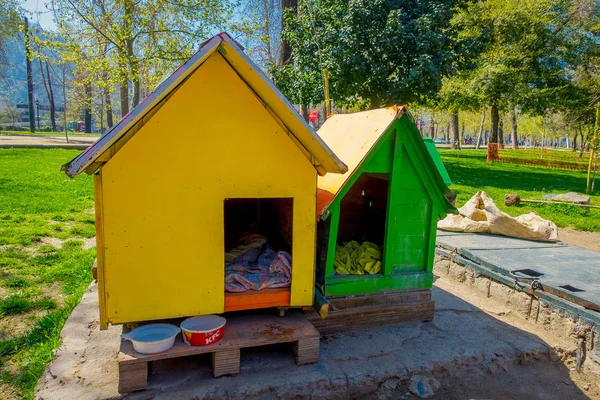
(240,332)
(355,312)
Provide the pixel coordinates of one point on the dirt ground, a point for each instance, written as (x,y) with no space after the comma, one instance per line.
(589,240)
(539,381)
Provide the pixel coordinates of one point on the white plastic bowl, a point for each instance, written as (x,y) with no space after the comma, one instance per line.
(152,338)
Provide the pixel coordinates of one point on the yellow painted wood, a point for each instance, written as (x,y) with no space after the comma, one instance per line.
(163,196)
(99,210)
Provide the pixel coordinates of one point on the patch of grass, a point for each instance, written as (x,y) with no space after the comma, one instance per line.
(45,304)
(15,304)
(45,249)
(470,172)
(37,201)
(15,283)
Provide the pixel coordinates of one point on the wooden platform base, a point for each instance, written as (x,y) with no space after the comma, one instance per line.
(240,332)
(354,312)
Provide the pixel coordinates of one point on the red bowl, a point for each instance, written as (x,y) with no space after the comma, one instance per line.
(203,330)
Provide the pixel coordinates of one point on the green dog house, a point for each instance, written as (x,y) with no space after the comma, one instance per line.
(381,216)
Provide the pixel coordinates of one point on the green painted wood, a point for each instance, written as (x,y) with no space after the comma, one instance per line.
(415,202)
(435,156)
(333,234)
(364,284)
(391,246)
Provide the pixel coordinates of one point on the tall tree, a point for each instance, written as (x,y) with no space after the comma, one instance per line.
(454,134)
(47,80)
(30,90)
(525,50)
(138,41)
(513,132)
(377,52)
(9,20)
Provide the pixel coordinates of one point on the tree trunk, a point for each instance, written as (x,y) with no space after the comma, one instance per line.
(30,92)
(50,92)
(88,108)
(495,120)
(514,137)
(124,94)
(480,129)
(108,102)
(267,31)
(375,103)
(461,137)
(454,130)
(64,93)
(582,145)
(304,112)
(500,134)
(128,8)
(285,53)
(432,129)
(574,142)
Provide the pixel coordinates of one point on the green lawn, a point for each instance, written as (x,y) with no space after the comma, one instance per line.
(546,154)
(44,270)
(469,173)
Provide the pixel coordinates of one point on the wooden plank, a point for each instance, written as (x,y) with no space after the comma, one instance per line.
(99,215)
(380,299)
(253,299)
(321,304)
(306,351)
(226,362)
(376,315)
(241,331)
(363,284)
(133,377)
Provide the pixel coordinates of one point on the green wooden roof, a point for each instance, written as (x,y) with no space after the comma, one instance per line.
(435,155)
(354,136)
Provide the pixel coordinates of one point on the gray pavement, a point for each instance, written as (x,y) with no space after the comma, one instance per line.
(370,363)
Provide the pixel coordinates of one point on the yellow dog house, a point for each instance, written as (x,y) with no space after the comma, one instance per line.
(214,152)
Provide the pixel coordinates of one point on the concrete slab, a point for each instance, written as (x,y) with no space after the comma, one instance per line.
(569,271)
(356,364)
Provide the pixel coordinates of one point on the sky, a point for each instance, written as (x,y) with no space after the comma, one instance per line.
(39,12)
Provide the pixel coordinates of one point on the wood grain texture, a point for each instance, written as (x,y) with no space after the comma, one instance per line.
(252,299)
(241,331)
(100,248)
(374,310)
(133,377)
(226,362)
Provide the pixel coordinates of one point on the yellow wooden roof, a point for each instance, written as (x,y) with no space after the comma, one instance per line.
(351,137)
(323,159)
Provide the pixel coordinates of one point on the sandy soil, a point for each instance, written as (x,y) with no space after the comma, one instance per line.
(589,240)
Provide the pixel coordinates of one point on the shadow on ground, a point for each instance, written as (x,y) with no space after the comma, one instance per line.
(470,353)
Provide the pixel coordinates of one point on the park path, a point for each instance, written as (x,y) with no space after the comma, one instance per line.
(45,142)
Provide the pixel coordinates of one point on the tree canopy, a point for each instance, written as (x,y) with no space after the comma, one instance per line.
(377,51)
